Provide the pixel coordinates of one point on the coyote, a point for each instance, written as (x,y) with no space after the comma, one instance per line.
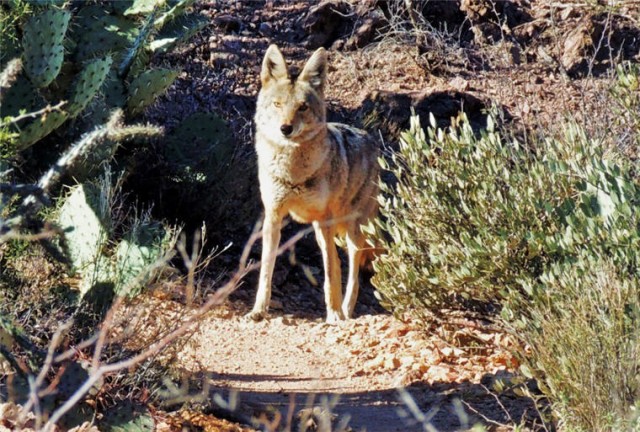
(321,173)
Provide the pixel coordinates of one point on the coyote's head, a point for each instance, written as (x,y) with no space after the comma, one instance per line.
(292,108)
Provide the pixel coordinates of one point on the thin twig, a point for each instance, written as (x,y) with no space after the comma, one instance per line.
(48,362)
(45,110)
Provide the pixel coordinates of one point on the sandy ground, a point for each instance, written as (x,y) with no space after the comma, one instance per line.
(358,367)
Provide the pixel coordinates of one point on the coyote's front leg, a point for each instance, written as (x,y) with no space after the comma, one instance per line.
(332,283)
(270,241)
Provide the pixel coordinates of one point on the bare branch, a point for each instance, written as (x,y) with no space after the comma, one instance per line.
(45,110)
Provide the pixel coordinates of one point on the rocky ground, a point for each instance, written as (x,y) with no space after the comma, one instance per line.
(536,61)
(360,366)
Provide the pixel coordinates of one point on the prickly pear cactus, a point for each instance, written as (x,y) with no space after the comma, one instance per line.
(178,31)
(87,84)
(22,95)
(127,417)
(42,42)
(101,32)
(41,127)
(176,10)
(74,376)
(143,7)
(134,255)
(84,217)
(147,86)
(200,148)
(114,41)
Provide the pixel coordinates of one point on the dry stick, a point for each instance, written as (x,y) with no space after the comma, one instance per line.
(72,352)
(414,410)
(48,362)
(484,417)
(9,75)
(414,21)
(15,235)
(504,409)
(45,110)
(106,325)
(290,412)
(216,299)
(190,262)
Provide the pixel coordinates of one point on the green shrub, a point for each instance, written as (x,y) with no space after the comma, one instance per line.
(548,234)
(460,219)
(475,217)
(584,335)
(625,94)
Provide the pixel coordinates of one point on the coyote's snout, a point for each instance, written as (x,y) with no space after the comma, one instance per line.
(318,172)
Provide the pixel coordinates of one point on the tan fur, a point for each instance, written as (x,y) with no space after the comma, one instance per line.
(321,173)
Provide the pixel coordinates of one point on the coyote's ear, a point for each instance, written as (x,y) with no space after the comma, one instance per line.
(315,71)
(273,66)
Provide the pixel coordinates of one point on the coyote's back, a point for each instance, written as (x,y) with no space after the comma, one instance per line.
(318,172)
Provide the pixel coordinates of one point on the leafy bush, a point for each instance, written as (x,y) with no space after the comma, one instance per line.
(548,234)
(460,218)
(626,105)
(584,335)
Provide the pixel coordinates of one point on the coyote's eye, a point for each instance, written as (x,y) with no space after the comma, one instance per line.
(303,107)
(277,104)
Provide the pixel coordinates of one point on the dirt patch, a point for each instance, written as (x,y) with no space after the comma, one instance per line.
(358,366)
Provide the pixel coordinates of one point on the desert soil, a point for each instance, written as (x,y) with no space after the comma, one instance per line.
(356,367)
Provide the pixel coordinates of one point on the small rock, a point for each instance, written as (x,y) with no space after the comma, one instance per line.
(221,60)
(227,23)
(459,83)
(392,363)
(578,46)
(265,29)
(276,304)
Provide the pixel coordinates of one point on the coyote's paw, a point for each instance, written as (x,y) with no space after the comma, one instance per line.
(256,315)
(334,316)
(347,312)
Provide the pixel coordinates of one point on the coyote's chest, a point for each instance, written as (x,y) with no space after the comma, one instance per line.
(295,179)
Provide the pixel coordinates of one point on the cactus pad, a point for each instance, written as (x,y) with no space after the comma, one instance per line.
(87,85)
(127,417)
(177,31)
(82,217)
(143,7)
(135,254)
(21,95)
(201,145)
(114,92)
(42,43)
(179,7)
(147,86)
(40,127)
(104,34)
